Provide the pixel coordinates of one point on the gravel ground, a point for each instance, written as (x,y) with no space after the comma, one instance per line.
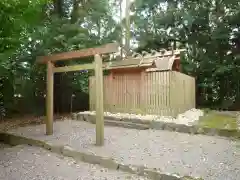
(212,158)
(32,163)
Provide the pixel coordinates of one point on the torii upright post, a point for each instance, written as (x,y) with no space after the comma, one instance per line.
(99,100)
(49,100)
(98,66)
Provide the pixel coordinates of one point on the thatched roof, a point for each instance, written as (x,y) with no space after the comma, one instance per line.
(160,60)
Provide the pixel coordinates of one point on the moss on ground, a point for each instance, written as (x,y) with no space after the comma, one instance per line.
(218,121)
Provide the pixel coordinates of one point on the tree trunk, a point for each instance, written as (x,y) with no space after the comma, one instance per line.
(74,13)
(128,24)
(58,8)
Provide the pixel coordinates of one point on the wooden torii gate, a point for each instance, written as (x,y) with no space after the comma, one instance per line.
(97,65)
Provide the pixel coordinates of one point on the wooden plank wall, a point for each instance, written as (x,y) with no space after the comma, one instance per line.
(121,92)
(156,88)
(164,93)
(182,93)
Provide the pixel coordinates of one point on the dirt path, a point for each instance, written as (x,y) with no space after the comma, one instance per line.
(3,146)
(12,123)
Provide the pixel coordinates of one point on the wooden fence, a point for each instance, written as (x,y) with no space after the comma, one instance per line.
(163,93)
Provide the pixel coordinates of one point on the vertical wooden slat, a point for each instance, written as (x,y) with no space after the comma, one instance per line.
(135,92)
(142,93)
(117,92)
(99,100)
(107,92)
(168,92)
(161,93)
(106,81)
(121,92)
(104,91)
(126,85)
(146,93)
(164,93)
(49,101)
(122,89)
(138,94)
(158,86)
(173,95)
(111,93)
(156,91)
(151,93)
(125,90)
(130,93)
(180,98)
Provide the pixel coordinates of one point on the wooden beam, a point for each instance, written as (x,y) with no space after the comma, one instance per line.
(49,100)
(108,48)
(73,68)
(99,100)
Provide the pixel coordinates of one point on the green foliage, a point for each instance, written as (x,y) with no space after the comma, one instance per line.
(36,29)
(16,18)
(209,30)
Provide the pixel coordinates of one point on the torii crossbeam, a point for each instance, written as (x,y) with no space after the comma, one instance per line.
(97,65)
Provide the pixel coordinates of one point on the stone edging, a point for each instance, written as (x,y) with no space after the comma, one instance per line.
(109,163)
(158,125)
